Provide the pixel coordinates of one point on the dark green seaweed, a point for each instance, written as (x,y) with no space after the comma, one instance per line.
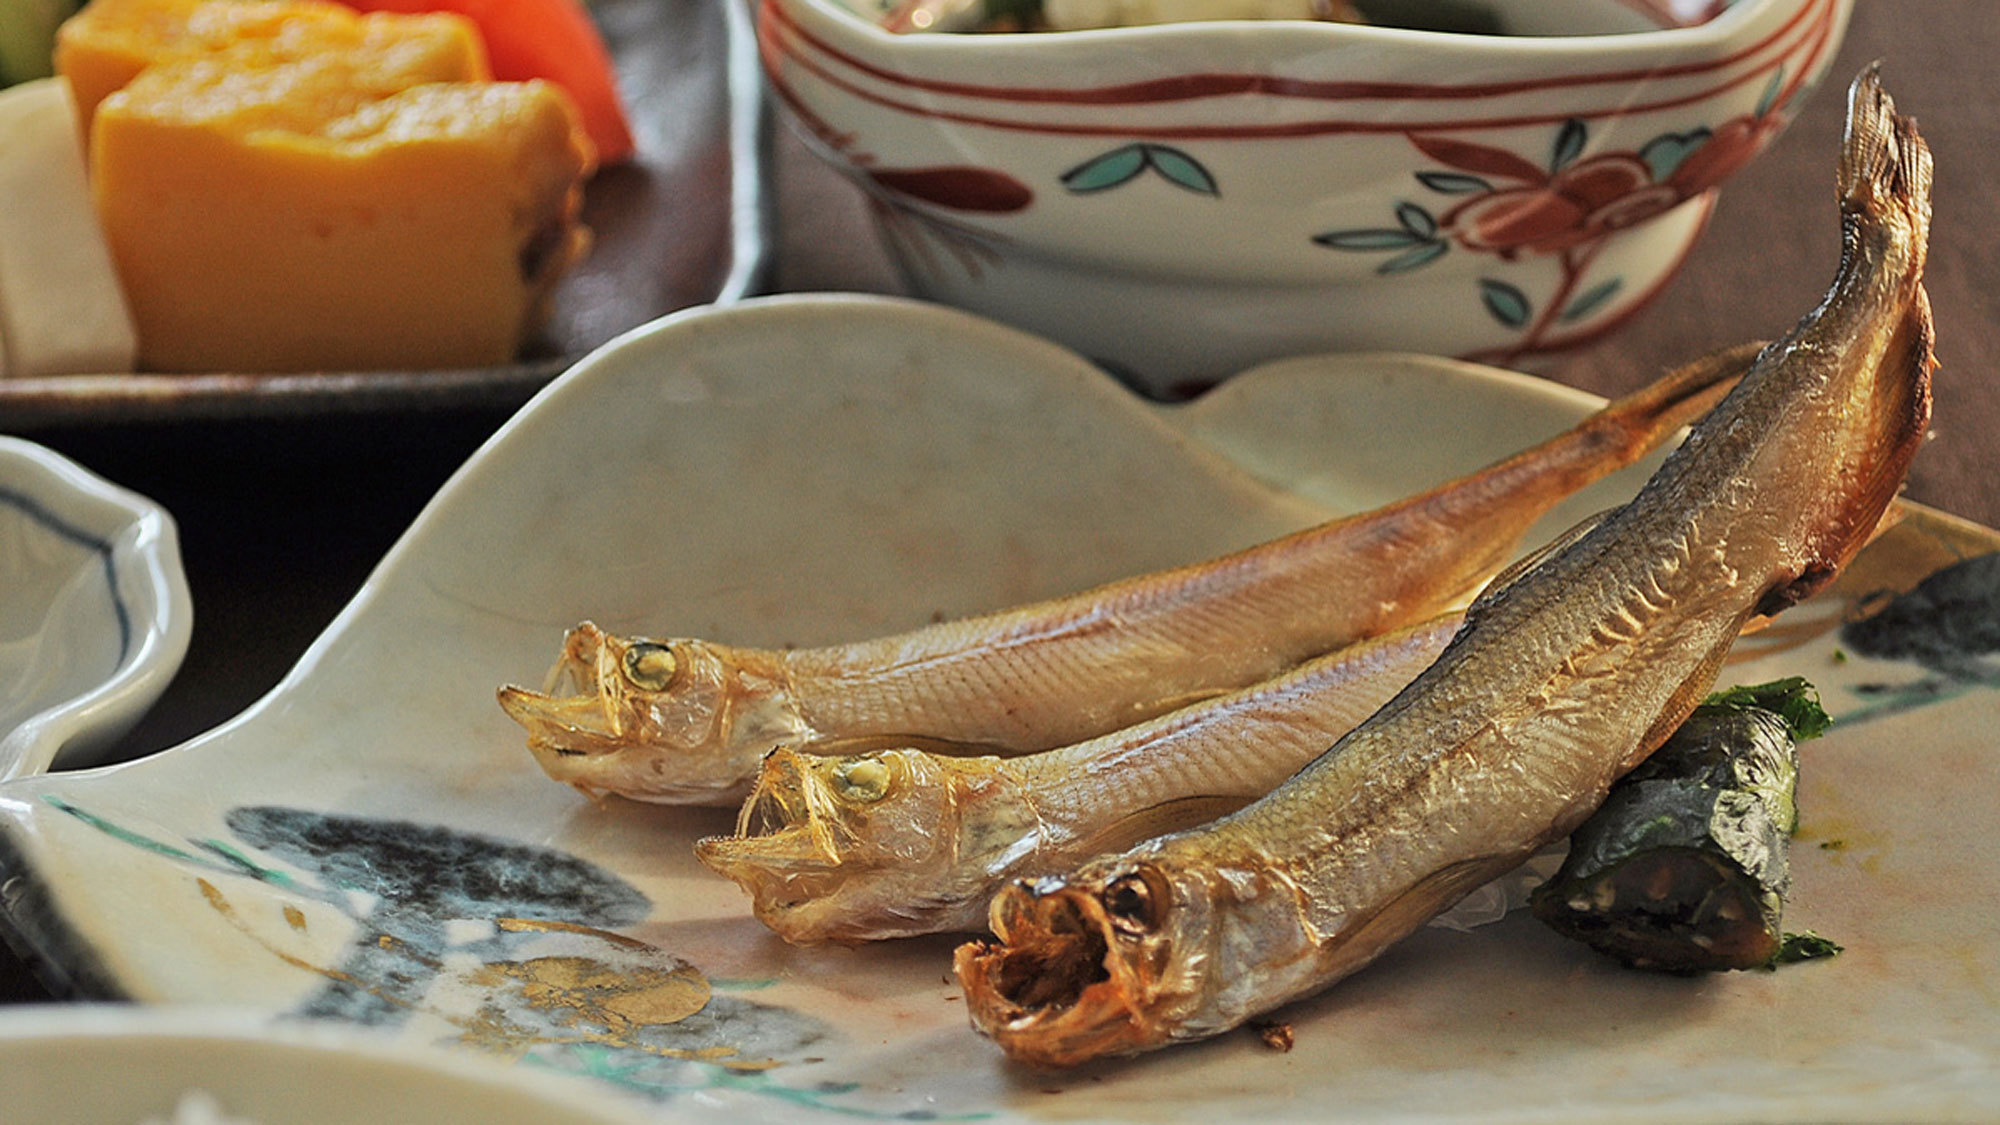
(1685,866)
(1807,946)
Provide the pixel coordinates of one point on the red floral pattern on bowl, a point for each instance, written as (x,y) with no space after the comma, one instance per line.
(1165,199)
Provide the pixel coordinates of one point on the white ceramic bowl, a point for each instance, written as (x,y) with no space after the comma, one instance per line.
(95,616)
(123,1065)
(1181,201)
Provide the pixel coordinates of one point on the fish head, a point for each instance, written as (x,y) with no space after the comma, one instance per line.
(857,847)
(1129,953)
(675,721)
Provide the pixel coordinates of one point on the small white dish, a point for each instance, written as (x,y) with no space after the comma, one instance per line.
(96,616)
(372,843)
(118,1064)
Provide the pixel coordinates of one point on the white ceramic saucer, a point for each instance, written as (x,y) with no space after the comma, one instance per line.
(95,617)
(371,843)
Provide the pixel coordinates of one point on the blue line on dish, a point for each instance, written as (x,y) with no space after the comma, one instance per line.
(66,530)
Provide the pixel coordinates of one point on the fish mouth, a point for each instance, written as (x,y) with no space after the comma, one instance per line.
(570,736)
(571,716)
(779,873)
(784,851)
(1053,990)
(572,724)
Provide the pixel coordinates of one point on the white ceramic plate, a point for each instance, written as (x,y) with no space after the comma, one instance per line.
(370,843)
(94,611)
(122,1065)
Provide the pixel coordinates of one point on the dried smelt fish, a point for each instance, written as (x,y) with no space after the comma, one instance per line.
(1561,681)
(894,843)
(689,721)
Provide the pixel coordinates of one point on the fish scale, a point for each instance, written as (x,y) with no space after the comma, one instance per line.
(898,842)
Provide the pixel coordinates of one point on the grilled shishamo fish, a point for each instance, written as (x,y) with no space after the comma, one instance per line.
(900,842)
(689,721)
(1562,679)
(1686,865)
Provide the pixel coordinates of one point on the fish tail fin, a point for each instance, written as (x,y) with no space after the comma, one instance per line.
(1507,497)
(1639,421)
(1899,420)
(1885,199)
(1903,421)
(1618,434)
(1885,166)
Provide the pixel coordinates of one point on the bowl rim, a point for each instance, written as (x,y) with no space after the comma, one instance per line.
(1718,32)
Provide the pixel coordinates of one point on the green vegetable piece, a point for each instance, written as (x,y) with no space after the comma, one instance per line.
(1686,864)
(1806,946)
(1796,700)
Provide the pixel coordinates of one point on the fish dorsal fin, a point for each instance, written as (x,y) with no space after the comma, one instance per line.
(1158,820)
(1533,559)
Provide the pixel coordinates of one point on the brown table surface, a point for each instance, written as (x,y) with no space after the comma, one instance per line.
(281,519)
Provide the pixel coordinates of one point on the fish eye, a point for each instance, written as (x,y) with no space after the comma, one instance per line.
(1132,904)
(862,779)
(649,665)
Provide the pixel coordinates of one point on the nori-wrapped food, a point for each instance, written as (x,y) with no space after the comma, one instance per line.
(1684,868)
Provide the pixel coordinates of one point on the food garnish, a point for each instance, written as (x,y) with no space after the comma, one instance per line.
(1686,865)
(1562,680)
(689,721)
(1806,946)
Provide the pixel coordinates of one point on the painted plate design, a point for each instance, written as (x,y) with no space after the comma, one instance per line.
(371,843)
